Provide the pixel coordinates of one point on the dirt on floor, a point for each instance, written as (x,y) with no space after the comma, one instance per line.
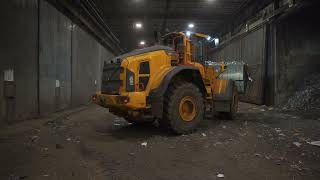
(91,144)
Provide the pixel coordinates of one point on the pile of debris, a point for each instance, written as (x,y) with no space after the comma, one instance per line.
(308,97)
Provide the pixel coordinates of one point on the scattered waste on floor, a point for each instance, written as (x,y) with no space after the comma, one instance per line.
(281,134)
(297,166)
(217,143)
(59,146)
(295,130)
(278,130)
(204,135)
(34,138)
(278,162)
(257,155)
(14,177)
(267,157)
(224,127)
(144,144)
(220,175)
(315,143)
(297,144)
(242,134)
(245,123)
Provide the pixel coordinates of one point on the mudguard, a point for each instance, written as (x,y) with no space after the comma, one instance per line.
(156,96)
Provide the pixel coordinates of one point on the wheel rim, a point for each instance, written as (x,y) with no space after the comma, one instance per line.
(187,108)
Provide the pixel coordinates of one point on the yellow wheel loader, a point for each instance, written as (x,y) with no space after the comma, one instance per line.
(169,83)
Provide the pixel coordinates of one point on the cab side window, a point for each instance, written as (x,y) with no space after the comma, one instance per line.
(144,75)
(144,68)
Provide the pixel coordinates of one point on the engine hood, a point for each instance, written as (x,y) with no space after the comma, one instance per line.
(141,51)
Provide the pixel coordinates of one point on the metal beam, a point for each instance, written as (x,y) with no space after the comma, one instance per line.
(172,15)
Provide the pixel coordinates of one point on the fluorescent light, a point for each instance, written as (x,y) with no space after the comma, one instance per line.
(216,41)
(191,25)
(138,25)
(142,42)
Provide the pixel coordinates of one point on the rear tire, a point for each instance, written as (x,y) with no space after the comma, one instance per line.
(183,108)
(233,105)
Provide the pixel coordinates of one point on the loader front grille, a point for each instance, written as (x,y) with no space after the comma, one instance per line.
(111,79)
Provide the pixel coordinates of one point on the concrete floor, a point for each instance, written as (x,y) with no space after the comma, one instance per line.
(91,144)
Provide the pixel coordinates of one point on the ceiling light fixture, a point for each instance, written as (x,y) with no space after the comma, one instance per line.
(142,43)
(138,25)
(191,25)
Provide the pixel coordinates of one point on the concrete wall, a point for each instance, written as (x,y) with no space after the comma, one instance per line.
(18,51)
(55,59)
(55,62)
(87,64)
(298,51)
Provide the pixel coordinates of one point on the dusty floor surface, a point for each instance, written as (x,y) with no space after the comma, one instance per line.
(91,144)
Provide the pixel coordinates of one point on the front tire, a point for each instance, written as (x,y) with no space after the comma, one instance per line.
(183,108)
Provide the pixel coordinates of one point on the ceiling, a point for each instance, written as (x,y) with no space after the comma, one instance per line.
(208,16)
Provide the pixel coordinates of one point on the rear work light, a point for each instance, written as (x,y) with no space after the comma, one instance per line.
(125,99)
(94,98)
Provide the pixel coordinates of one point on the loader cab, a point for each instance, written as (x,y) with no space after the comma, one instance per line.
(199,49)
(191,49)
(176,42)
